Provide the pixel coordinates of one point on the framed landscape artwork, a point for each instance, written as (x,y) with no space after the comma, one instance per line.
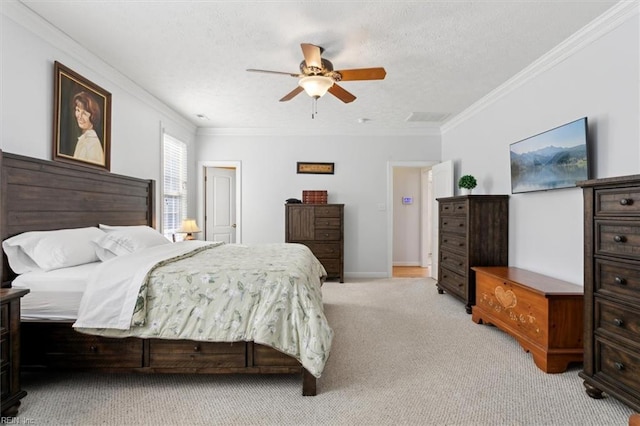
(82,120)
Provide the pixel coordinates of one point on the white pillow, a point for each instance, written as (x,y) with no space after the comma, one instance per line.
(48,250)
(119,240)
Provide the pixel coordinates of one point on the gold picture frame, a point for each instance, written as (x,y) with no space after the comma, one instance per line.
(315,168)
(82,120)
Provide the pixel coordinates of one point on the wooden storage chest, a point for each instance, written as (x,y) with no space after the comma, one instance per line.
(543,313)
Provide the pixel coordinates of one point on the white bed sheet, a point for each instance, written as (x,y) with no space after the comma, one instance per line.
(54,295)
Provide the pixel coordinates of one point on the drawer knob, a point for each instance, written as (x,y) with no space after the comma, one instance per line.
(93,349)
(626,201)
(620,280)
(196,348)
(619,365)
(618,322)
(620,239)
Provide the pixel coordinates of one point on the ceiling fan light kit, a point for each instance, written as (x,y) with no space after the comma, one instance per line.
(316,86)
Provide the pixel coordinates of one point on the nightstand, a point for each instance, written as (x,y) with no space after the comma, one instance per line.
(10,350)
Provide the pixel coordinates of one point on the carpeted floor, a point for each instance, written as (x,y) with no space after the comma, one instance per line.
(402,354)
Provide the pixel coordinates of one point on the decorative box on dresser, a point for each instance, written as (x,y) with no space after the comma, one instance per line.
(473,231)
(612,288)
(10,348)
(321,228)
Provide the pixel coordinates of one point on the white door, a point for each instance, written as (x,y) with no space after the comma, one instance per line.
(220,204)
(442,184)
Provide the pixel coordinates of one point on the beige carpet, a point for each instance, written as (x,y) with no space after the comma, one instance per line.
(402,354)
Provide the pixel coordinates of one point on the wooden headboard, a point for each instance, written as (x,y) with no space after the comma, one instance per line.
(40,195)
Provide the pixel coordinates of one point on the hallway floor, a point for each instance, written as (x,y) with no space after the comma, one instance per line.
(410,272)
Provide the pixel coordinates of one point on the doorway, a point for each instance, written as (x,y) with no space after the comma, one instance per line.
(409,217)
(219,195)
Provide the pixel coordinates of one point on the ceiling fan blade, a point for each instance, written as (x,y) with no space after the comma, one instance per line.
(312,55)
(291,94)
(274,72)
(363,74)
(341,94)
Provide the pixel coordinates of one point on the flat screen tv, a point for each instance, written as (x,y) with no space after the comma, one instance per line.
(554,159)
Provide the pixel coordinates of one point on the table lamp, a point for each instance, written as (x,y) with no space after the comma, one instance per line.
(189,227)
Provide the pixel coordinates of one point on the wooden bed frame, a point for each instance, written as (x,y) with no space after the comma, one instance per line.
(39,195)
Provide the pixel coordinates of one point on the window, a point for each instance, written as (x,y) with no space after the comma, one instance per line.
(174,185)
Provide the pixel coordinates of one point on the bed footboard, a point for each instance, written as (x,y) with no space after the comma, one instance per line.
(58,346)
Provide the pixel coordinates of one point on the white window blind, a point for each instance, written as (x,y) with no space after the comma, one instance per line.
(174,185)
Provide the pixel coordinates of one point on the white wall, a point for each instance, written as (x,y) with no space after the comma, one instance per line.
(599,80)
(406,217)
(29,48)
(360,183)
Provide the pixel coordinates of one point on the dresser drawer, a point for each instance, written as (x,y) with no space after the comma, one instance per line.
(170,354)
(617,319)
(618,365)
(457,224)
(328,235)
(455,242)
(325,250)
(328,222)
(618,278)
(328,211)
(453,207)
(618,202)
(453,282)
(332,266)
(454,261)
(618,238)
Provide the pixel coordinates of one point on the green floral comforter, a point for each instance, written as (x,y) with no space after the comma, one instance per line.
(266,293)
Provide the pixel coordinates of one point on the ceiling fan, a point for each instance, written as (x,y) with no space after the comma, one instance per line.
(317,76)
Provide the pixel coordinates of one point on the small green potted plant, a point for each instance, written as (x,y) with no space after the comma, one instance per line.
(467,183)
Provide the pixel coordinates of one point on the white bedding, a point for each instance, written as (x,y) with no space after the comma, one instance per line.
(113,288)
(54,295)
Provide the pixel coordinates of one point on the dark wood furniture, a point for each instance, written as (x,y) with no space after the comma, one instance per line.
(612,288)
(473,231)
(10,348)
(321,228)
(544,314)
(44,195)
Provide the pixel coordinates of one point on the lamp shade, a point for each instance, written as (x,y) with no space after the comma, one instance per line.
(189,226)
(316,85)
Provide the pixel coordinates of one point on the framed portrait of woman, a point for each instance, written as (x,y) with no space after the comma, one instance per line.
(82,120)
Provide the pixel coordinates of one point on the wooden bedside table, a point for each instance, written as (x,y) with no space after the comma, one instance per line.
(10,349)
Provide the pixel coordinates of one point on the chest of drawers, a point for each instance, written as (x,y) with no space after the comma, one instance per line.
(473,231)
(321,228)
(612,288)
(10,348)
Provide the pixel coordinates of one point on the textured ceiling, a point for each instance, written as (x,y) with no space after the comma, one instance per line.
(440,56)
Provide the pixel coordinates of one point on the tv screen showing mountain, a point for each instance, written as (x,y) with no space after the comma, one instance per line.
(557,158)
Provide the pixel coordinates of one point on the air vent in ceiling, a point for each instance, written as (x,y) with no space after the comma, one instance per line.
(427,116)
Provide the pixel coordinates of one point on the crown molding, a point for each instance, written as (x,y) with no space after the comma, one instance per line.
(31,21)
(301,131)
(605,23)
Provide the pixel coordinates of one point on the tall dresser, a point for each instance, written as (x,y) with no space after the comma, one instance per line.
(473,231)
(321,228)
(612,288)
